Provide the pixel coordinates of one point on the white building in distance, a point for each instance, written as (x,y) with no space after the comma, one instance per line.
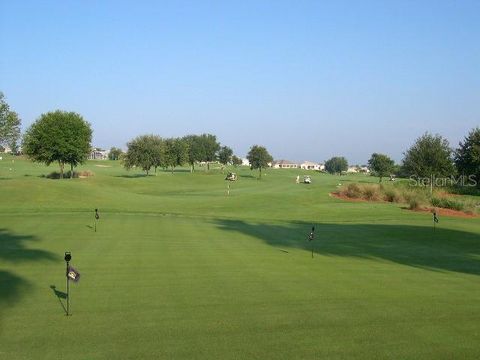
(99,154)
(284,164)
(308,165)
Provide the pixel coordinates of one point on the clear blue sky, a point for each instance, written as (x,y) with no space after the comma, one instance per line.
(307,79)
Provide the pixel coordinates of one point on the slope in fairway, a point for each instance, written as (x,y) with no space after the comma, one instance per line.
(179,270)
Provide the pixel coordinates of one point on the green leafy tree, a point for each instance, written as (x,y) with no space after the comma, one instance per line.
(467,156)
(225,155)
(336,165)
(430,156)
(236,161)
(259,158)
(209,148)
(9,125)
(381,165)
(114,153)
(176,152)
(195,150)
(145,152)
(58,136)
(159,157)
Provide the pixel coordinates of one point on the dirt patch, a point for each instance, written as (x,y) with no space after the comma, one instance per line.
(440,211)
(103,166)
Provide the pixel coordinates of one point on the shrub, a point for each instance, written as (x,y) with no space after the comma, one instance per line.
(371,192)
(353,191)
(416,198)
(446,203)
(414,203)
(76,175)
(459,204)
(392,195)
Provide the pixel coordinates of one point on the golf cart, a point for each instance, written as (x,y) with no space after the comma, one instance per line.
(307,179)
(231,177)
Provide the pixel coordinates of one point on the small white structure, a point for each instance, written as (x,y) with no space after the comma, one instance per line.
(245,162)
(358,169)
(284,164)
(99,154)
(5,149)
(308,165)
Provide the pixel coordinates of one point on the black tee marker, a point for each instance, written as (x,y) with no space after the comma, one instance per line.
(435,220)
(311,236)
(96,218)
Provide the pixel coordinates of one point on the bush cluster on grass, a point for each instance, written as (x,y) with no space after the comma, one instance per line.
(458,204)
(415,198)
(67,175)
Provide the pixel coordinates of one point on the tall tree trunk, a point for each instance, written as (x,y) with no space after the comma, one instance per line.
(61,168)
(260,173)
(208,165)
(71,171)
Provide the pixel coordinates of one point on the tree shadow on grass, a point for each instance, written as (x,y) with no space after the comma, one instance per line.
(250,176)
(10,287)
(417,246)
(132,176)
(13,249)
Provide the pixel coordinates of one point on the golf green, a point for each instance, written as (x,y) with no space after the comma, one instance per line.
(179,270)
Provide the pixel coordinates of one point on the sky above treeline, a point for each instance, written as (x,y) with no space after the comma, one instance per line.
(307,79)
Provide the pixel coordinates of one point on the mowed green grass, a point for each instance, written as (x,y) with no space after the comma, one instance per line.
(179,270)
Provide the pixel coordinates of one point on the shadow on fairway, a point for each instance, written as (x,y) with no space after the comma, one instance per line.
(13,249)
(250,176)
(60,295)
(132,176)
(444,250)
(10,287)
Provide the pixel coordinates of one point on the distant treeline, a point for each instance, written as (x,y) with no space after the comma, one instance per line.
(152,151)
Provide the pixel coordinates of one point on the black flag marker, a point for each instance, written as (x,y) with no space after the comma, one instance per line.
(71,274)
(311,236)
(96,218)
(435,219)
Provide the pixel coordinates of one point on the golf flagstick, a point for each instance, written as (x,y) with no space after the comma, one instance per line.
(311,236)
(435,220)
(67,258)
(68,292)
(71,274)
(96,219)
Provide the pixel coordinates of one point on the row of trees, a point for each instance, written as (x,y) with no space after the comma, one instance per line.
(153,151)
(429,157)
(432,157)
(65,137)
